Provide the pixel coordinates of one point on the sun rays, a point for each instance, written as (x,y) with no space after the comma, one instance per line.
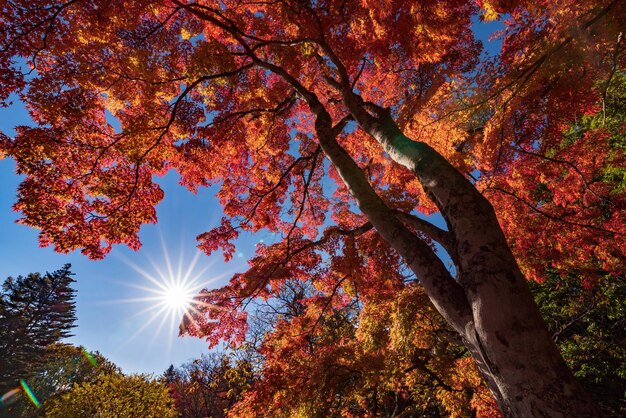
(166,290)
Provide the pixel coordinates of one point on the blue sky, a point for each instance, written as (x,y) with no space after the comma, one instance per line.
(107,321)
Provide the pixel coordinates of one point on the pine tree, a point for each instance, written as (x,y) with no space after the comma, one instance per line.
(35,311)
(170,375)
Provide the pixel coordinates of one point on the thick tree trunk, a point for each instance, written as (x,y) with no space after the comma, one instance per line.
(506,335)
(490,305)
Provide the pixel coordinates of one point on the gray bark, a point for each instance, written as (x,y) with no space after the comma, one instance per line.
(506,334)
(490,305)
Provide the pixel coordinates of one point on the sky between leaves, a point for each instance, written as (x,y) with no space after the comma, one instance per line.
(115,316)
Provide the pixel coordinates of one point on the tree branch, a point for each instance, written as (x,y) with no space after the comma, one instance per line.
(442,236)
(444,291)
(554,217)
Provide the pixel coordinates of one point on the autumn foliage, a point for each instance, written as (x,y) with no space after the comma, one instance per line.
(322,122)
(377,354)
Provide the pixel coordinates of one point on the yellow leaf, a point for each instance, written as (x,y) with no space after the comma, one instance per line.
(185,34)
(489,12)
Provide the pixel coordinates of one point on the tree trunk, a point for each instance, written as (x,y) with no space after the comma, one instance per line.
(506,334)
(490,304)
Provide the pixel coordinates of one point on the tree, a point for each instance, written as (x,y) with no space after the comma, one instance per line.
(114,395)
(589,325)
(61,367)
(35,312)
(390,100)
(400,358)
(397,359)
(384,354)
(208,386)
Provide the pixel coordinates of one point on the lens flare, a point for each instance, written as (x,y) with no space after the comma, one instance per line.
(10,397)
(90,358)
(29,393)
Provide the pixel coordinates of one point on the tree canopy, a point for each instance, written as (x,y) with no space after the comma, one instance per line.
(339,125)
(114,395)
(209,386)
(355,363)
(589,325)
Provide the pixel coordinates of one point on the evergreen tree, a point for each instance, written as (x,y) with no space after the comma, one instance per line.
(35,311)
(170,375)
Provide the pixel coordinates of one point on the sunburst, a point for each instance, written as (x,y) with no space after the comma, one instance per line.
(177,296)
(169,292)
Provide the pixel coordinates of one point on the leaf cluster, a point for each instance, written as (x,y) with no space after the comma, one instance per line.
(589,326)
(114,395)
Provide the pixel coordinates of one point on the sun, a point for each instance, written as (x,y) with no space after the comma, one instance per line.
(177,296)
(171,292)
(168,291)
